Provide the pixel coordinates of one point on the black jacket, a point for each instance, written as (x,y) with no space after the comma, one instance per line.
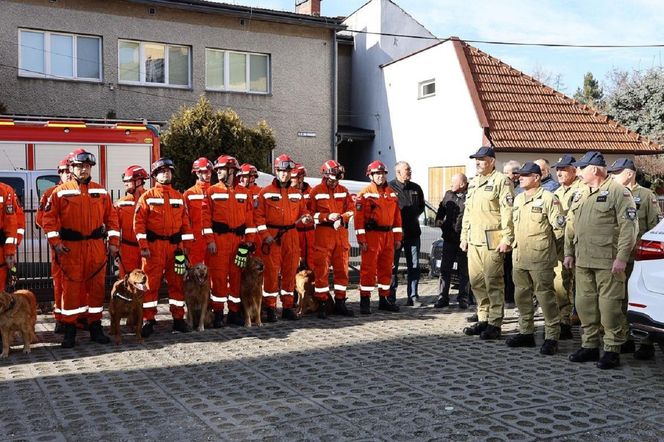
(450,212)
(411,203)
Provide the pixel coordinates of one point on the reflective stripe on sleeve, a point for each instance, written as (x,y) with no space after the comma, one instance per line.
(322,196)
(52,234)
(69,192)
(219,196)
(340,195)
(113,233)
(140,236)
(154,201)
(397,229)
(195,197)
(249,230)
(261,227)
(187,237)
(360,231)
(175,202)
(97,192)
(207,231)
(11,240)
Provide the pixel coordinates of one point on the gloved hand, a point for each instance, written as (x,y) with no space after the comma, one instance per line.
(116,265)
(212,248)
(180,263)
(336,224)
(12,277)
(241,256)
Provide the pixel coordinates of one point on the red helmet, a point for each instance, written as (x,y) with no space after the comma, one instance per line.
(376,166)
(200,164)
(299,171)
(226,161)
(63,165)
(247,170)
(80,156)
(284,162)
(135,172)
(330,168)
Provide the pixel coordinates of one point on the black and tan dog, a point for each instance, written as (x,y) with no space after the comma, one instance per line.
(18,313)
(196,295)
(251,291)
(127,302)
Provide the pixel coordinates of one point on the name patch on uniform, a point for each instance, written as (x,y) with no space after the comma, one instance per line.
(604,192)
(488,188)
(536,209)
(631,213)
(601,199)
(560,220)
(577,196)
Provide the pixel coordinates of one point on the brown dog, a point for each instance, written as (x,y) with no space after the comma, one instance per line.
(196,295)
(18,313)
(307,302)
(127,302)
(251,291)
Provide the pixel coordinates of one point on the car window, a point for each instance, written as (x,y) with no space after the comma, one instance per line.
(17,184)
(46,182)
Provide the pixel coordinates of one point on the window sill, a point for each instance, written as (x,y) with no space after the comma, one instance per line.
(70,80)
(155,85)
(226,91)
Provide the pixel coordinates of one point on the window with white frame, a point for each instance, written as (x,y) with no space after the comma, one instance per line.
(59,55)
(145,63)
(237,71)
(427,88)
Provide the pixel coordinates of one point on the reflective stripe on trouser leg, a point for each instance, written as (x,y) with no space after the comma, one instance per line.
(539,283)
(322,252)
(385,262)
(369,260)
(95,289)
(289,261)
(56,275)
(340,257)
(485,269)
(154,269)
(271,275)
(174,281)
(74,297)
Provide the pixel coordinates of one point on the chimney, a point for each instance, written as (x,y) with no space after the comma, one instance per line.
(308,7)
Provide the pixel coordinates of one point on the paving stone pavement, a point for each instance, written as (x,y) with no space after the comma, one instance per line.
(412,375)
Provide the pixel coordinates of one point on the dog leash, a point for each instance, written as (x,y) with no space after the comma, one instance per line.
(57,261)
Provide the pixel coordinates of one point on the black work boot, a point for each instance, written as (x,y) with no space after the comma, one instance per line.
(475,329)
(234,318)
(628,347)
(365,305)
(218,319)
(549,348)
(491,332)
(69,341)
(148,328)
(97,333)
(270,314)
(585,355)
(59,327)
(472,318)
(386,305)
(521,340)
(463,303)
(341,309)
(442,302)
(322,310)
(645,352)
(180,326)
(566,332)
(289,313)
(609,359)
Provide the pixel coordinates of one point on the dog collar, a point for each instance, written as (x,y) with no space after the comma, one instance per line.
(117,294)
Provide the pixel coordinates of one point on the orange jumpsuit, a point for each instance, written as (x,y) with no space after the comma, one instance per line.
(378,223)
(56,272)
(278,210)
(306,235)
(227,218)
(20,223)
(331,245)
(253,190)
(194,199)
(80,215)
(161,224)
(130,253)
(8,226)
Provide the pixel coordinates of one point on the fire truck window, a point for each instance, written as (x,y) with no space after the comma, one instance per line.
(17,184)
(46,182)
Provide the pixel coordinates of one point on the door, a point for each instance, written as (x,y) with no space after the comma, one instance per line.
(440,179)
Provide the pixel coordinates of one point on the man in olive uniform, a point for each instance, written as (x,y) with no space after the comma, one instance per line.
(538,223)
(599,238)
(648,214)
(570,185)
(486,234)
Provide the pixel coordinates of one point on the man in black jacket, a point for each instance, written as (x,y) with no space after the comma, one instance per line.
(411,203)
(449,218)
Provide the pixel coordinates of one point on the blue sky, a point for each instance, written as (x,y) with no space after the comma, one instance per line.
(540,21)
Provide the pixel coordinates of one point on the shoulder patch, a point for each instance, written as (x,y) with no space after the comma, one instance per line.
(627,193)
(509,200)
(631,213)
(560,221)
(508,181)
(577,196)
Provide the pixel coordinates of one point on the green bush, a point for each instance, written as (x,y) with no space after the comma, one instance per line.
(200,131)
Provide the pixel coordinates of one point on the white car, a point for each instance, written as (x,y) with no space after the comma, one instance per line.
(645,288)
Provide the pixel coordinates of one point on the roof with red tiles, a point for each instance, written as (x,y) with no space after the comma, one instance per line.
(521,114)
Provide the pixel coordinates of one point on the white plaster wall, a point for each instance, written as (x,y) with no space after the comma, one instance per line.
(442,130)
(368,95)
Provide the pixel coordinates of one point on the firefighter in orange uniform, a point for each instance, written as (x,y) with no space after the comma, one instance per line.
(378,230)
(227,226)
(8,228)
(77,219)
(280,207)
(305,233)
(56,272)
(194,199)
(162,227)
(332,206)
(246,177)
(134,178)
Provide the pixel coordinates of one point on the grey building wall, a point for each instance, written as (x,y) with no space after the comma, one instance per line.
(345,60)
(302,77)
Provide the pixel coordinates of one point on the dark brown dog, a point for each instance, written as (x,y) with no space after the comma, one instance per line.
(127,302)
(18,313)
(251,291)
(307,302)
(197,295)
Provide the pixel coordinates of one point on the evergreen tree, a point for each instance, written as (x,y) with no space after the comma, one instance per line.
(591,93)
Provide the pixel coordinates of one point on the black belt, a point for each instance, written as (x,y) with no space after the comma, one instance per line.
(378,228)
(305,229)
(173,239)
(73,235)
(222,228)
(128,242)
(284,228)
(3,237)
(331,224)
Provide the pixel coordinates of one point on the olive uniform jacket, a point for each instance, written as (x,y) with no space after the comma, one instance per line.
(538,223)
(601,226)
(647,208)
(566,195)
(488,207)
